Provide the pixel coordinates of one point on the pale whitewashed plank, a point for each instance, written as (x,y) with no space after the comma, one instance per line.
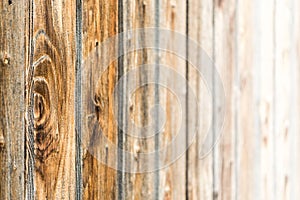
(264,96)
(246,141)
(295,105)
(205,166)
(225,59)
(283,97)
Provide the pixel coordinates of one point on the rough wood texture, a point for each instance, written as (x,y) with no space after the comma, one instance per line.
(205,39)
(43,139)
(138,14)
(100,20)
(192,165)
(173,16)
(50,81)
(12,57)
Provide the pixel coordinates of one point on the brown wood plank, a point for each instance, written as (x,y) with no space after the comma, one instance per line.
(12,58)
(194,80)
(100,21)
(50,82)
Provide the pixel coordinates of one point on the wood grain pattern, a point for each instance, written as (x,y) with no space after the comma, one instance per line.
(256,49)
(193,163)
(205,169)
(139,14)
(246,140)
(12,58)
(173,15)
(224,185)
(100,21)
(50,134)
(193,28)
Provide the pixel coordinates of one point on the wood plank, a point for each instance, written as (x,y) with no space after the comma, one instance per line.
(100,21)
(200,171)
(295,104)
(12,58)
(173,15)
(136,15)
(246,149)
(206,42)
(263,44)
(50,82)
(283,98)
(225,55)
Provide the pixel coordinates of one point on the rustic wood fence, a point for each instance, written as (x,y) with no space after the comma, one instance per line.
(44,48)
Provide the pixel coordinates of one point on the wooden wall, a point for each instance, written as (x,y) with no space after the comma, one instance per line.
(44,153)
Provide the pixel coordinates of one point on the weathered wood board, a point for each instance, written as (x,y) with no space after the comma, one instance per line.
(12,101)
(50,88)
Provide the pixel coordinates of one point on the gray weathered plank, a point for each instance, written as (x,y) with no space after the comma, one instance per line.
(12,126)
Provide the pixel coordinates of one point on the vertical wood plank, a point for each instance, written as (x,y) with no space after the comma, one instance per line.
(12,58)
(100,21)
(225,54)
(192,155)
(173,178)
(136,15)
(50,82)
(206,42)
(200,171)
(283,97)
(263,44)
(295,106)
(246,149)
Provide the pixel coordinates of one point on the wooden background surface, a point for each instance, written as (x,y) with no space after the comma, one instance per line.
(255,45)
